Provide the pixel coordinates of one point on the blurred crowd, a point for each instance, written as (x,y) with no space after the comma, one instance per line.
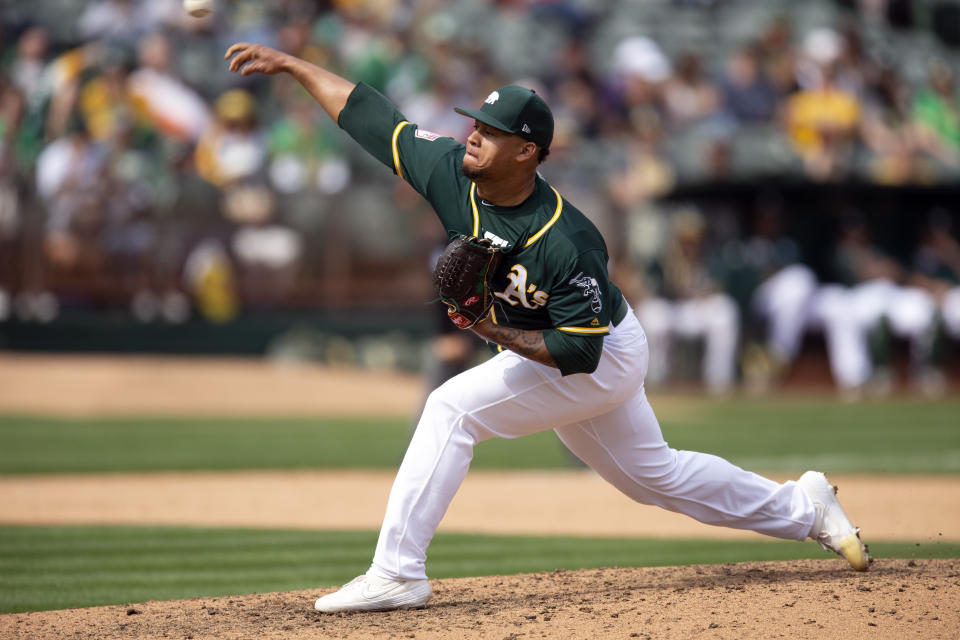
(137,173)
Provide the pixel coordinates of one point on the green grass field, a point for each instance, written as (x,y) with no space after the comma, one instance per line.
(892,436)
(59,567)
(56,567)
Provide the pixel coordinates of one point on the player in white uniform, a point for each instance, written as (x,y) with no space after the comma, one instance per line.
(573,359)
(872,292)
(687,302)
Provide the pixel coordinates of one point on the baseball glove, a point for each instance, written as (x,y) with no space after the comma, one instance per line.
(462,279)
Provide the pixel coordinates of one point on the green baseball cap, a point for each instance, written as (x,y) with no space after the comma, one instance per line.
(516,110)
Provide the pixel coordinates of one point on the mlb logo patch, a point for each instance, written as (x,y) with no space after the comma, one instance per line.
(426,135)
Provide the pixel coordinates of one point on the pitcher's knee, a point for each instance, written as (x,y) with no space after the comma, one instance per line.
(657,475)
(442,414)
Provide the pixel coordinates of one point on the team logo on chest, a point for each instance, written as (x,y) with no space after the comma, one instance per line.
(519,292)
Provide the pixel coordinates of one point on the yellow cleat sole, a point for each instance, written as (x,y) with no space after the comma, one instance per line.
(855,552)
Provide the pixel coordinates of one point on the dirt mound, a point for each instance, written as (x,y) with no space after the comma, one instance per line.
(806,599)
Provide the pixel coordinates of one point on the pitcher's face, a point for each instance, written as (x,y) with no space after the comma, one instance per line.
(491,152)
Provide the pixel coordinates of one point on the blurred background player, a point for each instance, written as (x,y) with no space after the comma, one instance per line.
(685,300)
(868,298)
(766,273)
(935,268)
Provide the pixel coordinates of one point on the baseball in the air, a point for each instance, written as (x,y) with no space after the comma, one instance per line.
(198,8)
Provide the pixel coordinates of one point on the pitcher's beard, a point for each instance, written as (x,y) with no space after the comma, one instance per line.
(472,173)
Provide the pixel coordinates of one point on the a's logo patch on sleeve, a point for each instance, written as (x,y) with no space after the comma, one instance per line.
(590,288)
(427,135)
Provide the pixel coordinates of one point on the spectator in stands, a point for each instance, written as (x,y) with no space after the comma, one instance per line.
(49,85)
(120,22)
(640,72)
(305,160)
(104,101)
(12,106)
(634,132)
(689,96)
(887,132)
(209,277)
(175,109)
(747,94)
(12,110)
(72,184)
(266,250)
(234,148)
(936,116)
(700,136)
(684,300)
(778,55)
(823,119)
(23,104)
(28,69)
(232,155)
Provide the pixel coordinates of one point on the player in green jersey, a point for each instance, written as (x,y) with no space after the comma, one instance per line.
(573,358)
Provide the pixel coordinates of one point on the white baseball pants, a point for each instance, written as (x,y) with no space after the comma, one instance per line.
(604,418)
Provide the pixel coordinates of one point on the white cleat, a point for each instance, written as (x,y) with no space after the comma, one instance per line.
(372,593)
(832,529)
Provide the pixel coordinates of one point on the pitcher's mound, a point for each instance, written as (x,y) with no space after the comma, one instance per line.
(805,599)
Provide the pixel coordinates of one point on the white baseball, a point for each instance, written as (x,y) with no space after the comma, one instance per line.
(198,8)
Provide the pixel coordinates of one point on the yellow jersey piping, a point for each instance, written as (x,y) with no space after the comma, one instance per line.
(556,216)
(591,330)
(476,214)
(393,146)
(534,237)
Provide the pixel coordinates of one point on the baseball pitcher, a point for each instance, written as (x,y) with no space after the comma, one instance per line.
(527,271)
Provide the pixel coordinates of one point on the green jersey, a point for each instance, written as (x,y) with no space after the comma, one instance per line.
(554,273)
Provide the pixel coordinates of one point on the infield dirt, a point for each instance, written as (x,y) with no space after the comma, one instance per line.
(820,599)
(806,599)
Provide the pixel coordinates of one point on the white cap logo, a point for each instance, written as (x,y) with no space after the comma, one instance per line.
(493,97)
(525,128)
